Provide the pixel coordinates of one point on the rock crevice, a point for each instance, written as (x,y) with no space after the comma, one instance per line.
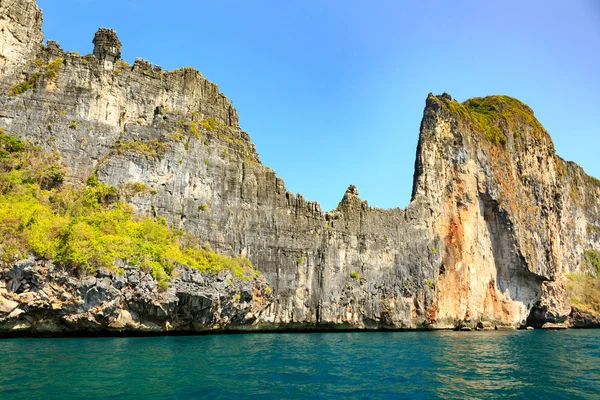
(495,223)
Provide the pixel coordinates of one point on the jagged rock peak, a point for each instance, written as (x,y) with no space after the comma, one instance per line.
(107,45)
(350,195)
(352,201)
(352,190)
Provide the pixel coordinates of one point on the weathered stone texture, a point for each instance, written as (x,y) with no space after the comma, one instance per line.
(36,297)
(107,45)
(486,241)
(512,218)
(20,35)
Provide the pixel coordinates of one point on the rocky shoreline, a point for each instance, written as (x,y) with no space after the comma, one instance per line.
(497,228)
(38,299)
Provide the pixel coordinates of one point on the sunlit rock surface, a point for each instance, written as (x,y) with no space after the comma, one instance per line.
(495,223)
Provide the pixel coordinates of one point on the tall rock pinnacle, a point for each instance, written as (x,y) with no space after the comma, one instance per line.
(107,45)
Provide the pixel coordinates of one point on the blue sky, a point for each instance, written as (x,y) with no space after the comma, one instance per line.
(332,92)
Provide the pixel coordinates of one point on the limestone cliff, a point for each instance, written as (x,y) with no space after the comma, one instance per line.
(514,218)
(495,223)
(20,35)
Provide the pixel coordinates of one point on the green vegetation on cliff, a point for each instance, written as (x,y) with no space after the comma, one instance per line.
(493,115)
(584,291)
(24,86)
(87,228)
(502,108)
(592,261)
(485,116)
(151,148)
(51,69)
(584,287)
(209,124)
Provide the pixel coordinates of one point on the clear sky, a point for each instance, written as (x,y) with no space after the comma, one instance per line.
(332,92)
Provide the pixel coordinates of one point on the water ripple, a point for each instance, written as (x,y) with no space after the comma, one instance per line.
(413,365)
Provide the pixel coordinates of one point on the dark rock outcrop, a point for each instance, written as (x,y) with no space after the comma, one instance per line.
(584,319)
(107,45)
(39,298)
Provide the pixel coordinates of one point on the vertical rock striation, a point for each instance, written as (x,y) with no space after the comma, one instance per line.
(495,223)
(20,35)
(507,209)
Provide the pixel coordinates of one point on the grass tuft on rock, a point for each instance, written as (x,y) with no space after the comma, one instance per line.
(24,86)
(152,148)
(592,261)
(584,286)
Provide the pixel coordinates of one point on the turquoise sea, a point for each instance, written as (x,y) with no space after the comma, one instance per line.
(411,365)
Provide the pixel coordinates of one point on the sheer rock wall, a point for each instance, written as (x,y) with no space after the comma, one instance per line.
(485,242)
(20,35)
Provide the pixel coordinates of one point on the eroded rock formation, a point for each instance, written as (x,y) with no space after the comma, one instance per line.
(495,222)
(20,34)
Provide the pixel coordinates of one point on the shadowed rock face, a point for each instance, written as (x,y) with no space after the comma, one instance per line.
(495,222)
(107,45)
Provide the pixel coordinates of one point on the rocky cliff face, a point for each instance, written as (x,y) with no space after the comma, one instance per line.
(495,222)
(514,218)
(20,35)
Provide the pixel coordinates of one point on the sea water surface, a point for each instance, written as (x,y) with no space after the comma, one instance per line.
(411,365)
